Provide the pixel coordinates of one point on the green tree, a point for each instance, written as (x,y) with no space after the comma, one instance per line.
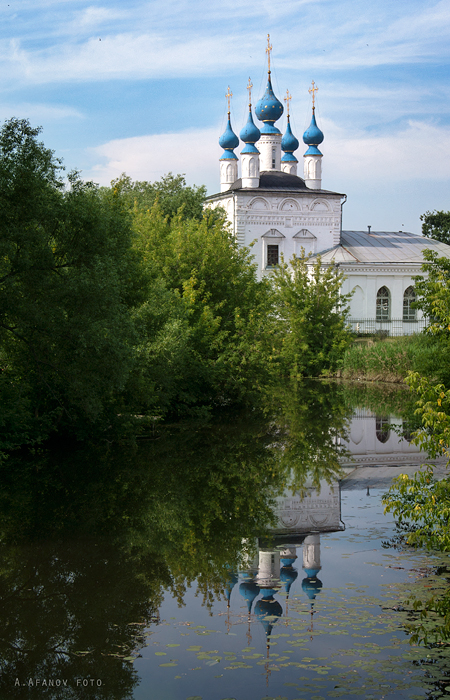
(310,334)
(171,192)
(436,224)
(421,504)
(202,325)
(67,280)
(433,292)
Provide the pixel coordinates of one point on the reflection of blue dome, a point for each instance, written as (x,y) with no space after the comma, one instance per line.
(250,133)
(313,135)
(249,590)
(289,143)
(312,587)
(267,610)
(288,576)
(228,141)
(269,108)
(287,561)
(229,585)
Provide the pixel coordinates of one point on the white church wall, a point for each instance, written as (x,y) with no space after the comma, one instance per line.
(376,440)
(367,283)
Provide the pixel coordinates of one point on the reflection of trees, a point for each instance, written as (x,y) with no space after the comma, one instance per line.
(67,610)
(312,416)
(91,540)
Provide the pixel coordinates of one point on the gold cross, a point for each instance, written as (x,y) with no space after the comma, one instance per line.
(312,90)
(249,88)
(287,99)
(229,95)
(268,50)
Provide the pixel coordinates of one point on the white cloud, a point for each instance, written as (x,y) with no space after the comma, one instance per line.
(195,153)
(419,151)
(91,17)
(409,154)
(99,58)
(37,112)
(157,40)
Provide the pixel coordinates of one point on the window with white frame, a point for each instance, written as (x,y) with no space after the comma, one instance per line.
(272,242)
(383,308)
(409,297)
(273,255)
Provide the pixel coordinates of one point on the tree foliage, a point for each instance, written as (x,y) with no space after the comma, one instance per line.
(436,224)
(124,303)
(421,504)
(309,317)
(174,196)
(65,264)
(433,292)
(202,323)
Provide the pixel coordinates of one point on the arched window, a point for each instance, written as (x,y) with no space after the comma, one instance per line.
(409,297)
(382,428)
(383,304)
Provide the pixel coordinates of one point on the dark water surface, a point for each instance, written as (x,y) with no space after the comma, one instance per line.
(215,561)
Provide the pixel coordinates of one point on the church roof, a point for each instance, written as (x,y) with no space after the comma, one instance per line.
(382,247)
(277,180)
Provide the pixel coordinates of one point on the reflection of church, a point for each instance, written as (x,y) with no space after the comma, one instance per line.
(269,206)
(377,440)
(274,569)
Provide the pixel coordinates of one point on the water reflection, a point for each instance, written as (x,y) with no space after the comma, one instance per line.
(380,439)
(300,518)
(92,542)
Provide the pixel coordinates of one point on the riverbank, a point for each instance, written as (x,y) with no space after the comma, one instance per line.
(391,359)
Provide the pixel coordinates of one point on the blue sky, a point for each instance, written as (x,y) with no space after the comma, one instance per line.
(140,87)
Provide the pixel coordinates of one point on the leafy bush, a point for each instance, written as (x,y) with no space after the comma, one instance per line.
(308,323)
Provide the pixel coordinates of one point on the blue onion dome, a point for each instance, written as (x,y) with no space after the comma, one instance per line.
(229,584)
(250,133)
(288,575)
(228,141)
(289,143)
(267,610)
(313,135)
(287,561)
(311,586)
(249,591)
(269,107)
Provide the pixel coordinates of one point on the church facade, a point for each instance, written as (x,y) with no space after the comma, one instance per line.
(277,212)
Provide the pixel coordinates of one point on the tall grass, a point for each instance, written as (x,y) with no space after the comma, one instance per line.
(391,359)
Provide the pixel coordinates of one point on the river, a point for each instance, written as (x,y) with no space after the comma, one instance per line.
(246,557)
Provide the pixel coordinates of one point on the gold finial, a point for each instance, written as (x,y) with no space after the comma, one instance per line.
(229,95)
(312,90)
(249,88)
(268,50)
(288,99)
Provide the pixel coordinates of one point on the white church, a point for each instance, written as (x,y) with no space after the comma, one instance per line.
(270,206)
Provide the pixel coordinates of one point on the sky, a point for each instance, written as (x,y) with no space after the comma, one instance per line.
(139,87)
